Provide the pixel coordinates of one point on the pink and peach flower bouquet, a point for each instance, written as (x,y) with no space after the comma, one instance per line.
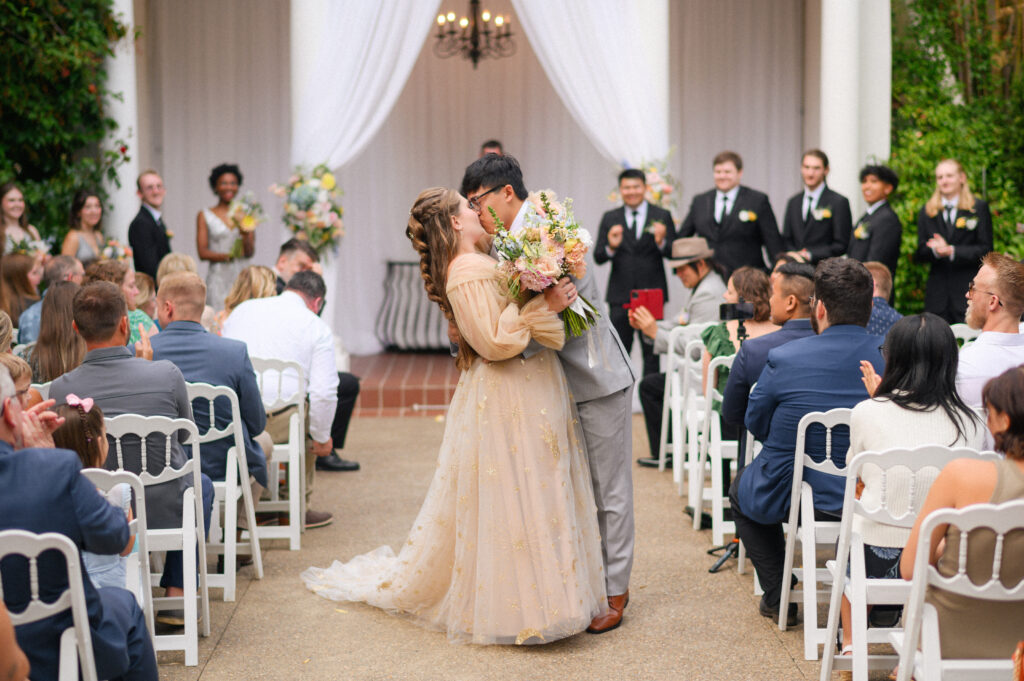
(312,208)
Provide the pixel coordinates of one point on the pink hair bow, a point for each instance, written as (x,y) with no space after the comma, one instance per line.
(74,400)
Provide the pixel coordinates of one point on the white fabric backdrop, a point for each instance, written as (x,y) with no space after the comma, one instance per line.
(609,68)
(357,76)
(214,86)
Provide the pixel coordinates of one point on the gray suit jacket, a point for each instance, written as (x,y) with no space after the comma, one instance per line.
(613,371)
(123,384)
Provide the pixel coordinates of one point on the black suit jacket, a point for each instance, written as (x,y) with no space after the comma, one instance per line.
(971,238)
(738,240)
(636,263)
(149,242)
(824,237)
(876,237)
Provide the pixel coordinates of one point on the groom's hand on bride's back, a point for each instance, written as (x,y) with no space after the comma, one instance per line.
(561,295)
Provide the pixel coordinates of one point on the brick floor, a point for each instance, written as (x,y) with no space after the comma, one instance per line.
(404,384)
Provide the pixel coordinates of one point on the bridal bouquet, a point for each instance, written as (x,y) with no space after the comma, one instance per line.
(551,245)
(115,250)
(312,208)
(244,215)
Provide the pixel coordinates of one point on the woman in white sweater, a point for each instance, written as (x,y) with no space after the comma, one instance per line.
(914,403)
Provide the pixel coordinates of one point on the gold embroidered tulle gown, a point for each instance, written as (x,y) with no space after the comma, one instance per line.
(506,547)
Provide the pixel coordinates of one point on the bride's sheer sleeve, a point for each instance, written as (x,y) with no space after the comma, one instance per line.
(495,327)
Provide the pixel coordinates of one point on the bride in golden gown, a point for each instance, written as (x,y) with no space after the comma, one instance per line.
(505,548)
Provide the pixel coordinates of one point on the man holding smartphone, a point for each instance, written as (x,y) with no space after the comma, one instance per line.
(635,237)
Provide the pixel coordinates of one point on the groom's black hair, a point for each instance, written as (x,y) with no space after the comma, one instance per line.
(494,171)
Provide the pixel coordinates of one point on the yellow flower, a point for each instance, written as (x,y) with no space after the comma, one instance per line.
(327,181)
(248,223)
(961,222)
(826,213)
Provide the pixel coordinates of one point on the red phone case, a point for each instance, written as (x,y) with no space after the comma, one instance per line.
(651,298)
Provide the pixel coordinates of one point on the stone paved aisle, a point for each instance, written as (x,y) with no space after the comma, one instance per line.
(682,623)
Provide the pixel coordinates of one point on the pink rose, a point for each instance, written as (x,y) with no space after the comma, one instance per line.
(548,266)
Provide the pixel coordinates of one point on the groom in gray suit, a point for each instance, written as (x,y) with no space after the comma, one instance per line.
(602,392)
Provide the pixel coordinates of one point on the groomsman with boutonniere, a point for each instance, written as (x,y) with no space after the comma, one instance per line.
(877,235)
(954,231)
(148,235)
(737,222)
(817,222)
(636,238)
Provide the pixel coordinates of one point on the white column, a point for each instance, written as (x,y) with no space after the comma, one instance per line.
(123,202)
(875,79)
(840,94)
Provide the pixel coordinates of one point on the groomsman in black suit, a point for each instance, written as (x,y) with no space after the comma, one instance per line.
(817,222)
(876,236)
(636,238)
(736,221)
(147,235)
(954,231)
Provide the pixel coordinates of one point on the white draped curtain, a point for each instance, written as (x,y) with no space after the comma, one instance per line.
(608,61)
(367,50)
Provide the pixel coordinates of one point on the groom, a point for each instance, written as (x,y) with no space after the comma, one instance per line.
(602,393)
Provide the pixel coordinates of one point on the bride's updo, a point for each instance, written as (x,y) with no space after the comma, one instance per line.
(434,237)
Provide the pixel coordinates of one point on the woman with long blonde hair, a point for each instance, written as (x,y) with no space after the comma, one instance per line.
(506,547)
(954,231)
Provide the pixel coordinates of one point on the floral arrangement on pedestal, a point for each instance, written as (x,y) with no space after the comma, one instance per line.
(662,186)
(312,209)
(245,214)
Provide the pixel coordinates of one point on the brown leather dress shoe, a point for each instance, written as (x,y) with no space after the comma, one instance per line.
(612,618)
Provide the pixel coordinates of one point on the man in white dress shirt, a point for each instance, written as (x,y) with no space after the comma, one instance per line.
(995,302)
(289,327)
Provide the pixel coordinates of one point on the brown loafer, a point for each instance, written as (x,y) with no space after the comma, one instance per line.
(612,618)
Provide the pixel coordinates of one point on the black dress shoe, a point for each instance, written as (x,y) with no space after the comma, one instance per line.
(653,462)
(792,619)
(333,462)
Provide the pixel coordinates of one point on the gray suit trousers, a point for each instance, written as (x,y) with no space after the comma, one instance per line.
(607,428)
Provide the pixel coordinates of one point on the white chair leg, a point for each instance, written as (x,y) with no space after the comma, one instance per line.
(810,590)
(188,566)
(230,535)
(68,659)
(250,517)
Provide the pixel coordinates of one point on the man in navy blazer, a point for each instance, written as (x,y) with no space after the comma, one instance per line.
(792,289)
(736,221)
(204,357)
(816,373)
(44,491)
(636,238)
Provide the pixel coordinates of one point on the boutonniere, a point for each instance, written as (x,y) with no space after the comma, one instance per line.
(649,229)
(747,216)
(862,231)
(822,213)
(169,233)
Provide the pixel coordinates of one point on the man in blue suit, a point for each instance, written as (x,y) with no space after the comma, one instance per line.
(62,500)
(816,373)
(792,290)
(207,358)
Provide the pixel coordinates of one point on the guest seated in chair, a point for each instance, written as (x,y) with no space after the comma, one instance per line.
(816,373)
(64,501)
(204,357)
(123,384)
(298,334)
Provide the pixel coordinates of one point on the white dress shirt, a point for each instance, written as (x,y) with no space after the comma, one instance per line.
(988,356)
(282,327)
(730,202)
(814,195)
(153,211)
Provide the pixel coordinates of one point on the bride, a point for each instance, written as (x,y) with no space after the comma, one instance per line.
(506,546)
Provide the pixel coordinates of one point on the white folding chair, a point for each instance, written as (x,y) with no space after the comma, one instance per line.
(858,589)
(811,533)
(76,640)
(687,433)
(964,334)
(43,388)
(271,373)
(714,451)
(922,622)
(223,536)
(189,537)
(672,396)
(138,560)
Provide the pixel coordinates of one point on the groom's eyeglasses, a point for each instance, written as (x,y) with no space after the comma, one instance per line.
(474,201)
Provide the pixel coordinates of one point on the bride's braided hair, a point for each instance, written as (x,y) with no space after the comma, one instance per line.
(432,235)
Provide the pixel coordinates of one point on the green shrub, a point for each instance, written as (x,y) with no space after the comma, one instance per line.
(52,85)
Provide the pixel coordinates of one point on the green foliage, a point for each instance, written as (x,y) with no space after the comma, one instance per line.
(958,92)
(52,85)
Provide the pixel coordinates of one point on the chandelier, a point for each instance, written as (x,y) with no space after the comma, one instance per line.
(478,36)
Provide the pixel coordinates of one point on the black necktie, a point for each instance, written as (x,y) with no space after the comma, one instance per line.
(725,209)
(807,206)
(636,223)
(949,216)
